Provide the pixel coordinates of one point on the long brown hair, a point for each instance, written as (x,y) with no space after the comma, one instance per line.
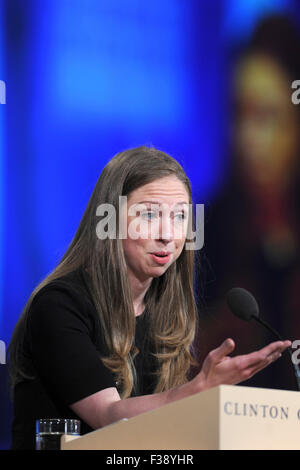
(170,297)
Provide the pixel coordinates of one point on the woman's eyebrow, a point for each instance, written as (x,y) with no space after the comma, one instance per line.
(159,203)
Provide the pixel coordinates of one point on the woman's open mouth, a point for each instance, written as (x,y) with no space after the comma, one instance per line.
(161,257)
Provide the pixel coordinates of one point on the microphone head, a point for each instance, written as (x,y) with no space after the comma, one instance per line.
(242,303)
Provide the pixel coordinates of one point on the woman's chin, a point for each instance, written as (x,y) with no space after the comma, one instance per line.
(157,271)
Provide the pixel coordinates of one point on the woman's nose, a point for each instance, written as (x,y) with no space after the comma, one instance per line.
(166,229)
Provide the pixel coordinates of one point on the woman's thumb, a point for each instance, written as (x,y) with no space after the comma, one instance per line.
(226,348)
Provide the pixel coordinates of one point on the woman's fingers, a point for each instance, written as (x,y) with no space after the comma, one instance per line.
(258,360)
(261,366)
(278,346)
(269,353)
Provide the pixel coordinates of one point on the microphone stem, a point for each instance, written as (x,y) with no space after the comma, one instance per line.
(266,325)
(275,333)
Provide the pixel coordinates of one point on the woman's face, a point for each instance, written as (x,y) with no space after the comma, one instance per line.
(267,127)
(157,217)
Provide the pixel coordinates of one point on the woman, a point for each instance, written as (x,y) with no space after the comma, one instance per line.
(109,333)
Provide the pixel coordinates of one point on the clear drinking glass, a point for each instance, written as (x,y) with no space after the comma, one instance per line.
(49,432)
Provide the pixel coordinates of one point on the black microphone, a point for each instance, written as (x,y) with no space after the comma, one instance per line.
(242,304)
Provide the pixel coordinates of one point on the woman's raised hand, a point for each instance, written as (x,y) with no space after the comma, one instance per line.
(219,368)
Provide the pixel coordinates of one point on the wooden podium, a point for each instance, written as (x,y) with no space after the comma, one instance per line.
(225,418)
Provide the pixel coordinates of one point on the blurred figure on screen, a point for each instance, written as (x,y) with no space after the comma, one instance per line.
(252,235)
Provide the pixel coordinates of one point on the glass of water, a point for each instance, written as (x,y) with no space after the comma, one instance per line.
(49,432)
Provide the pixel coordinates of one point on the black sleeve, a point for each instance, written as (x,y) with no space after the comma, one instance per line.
(64,355)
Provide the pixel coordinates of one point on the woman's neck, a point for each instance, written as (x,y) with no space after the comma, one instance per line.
(138,292)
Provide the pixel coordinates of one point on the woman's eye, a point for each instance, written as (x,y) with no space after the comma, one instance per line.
(148,215)
(180,216)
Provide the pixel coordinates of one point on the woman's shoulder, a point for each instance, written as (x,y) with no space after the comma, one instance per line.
(63,299)
(62,311)
(72,284)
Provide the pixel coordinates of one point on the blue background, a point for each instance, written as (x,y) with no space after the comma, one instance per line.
(86,79)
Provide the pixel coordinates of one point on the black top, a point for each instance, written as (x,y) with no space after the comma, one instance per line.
(63,345)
